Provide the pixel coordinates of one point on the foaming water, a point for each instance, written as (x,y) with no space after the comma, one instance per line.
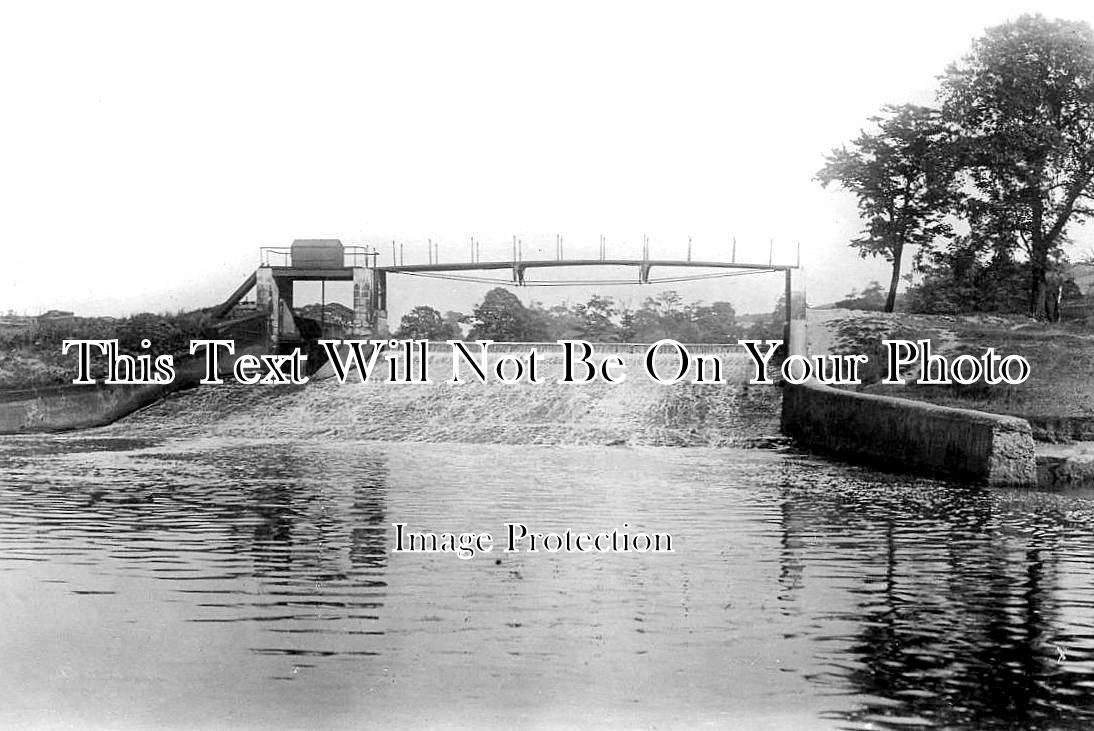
(240,582)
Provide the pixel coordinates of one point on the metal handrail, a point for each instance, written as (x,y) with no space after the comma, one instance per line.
(267,252)
(352,256)
(356,253)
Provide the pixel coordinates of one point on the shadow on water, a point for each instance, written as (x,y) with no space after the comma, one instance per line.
(969,608)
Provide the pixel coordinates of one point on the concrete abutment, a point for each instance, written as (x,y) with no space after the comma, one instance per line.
(922,437)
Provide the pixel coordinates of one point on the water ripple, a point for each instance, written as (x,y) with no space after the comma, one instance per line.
(228,567)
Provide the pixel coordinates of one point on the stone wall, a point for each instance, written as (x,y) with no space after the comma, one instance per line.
(997,450)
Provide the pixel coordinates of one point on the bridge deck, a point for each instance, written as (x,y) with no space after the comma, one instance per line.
(303,274)
(547,263)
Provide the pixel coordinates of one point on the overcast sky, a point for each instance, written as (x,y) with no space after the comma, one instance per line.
(148,151)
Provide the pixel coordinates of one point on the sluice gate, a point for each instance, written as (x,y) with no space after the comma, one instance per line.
(306,260)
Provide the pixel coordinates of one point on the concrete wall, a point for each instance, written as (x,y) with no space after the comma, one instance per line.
(906,434)
(67,407)
(60,408)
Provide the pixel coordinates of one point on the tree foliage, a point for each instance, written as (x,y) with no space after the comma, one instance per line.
(872,298)
(426,323)
(903,177)
(1023,102)
(597,320)
(960,278)
(502,317)
(1009,156)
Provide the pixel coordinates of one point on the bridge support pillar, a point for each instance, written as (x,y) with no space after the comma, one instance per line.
(362,302)
(268,300)
(379,294)
(795,333)
(369,303)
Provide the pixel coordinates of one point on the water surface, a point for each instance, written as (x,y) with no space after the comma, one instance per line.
(245,583)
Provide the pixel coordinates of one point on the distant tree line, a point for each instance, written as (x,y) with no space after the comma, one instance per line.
(501,316)
(987,184)
(872,297)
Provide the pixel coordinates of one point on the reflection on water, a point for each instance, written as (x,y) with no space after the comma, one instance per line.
(250,583)
(960,607)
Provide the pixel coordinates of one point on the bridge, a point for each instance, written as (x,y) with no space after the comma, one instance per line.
(327,260)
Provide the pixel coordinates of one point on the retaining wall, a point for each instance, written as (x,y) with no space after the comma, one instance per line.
(962,443)
(70,406)
(60,408)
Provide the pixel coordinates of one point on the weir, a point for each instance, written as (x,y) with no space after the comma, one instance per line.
(972,445)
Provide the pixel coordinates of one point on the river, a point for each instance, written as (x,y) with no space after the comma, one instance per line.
(230,582)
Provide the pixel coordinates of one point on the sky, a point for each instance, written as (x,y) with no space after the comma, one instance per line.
(148,150)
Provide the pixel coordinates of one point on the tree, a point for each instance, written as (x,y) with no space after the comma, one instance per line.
(454,319)
(662,316)
(425,323)
(715,323)
(501,316)
(627,326)
(596,320)
(902,175)
(561,321)
(871,298)
(968,276)
(1023,102)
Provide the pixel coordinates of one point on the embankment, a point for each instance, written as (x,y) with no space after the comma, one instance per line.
(909,433)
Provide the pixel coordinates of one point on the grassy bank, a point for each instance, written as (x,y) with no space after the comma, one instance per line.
(31,348)
(1058,397)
